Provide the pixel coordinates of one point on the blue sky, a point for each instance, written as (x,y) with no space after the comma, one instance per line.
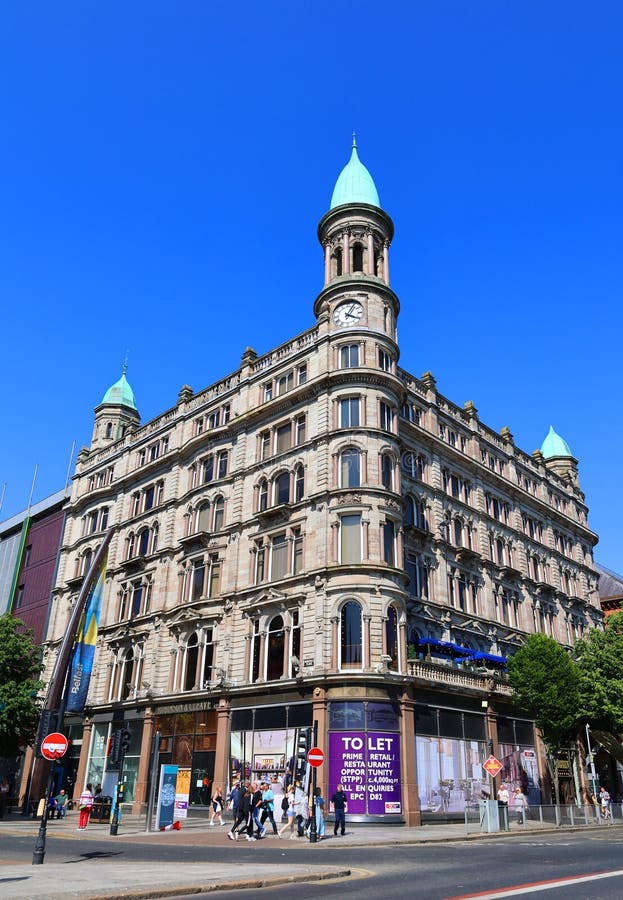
(163,168)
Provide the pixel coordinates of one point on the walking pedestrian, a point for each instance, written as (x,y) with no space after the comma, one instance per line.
(233,800)
(216,815)
(289,811)
(268,806)
(85,805)
(339,804)
(521,804)
(241,822)
(604,802)
(318,811)
(256,811)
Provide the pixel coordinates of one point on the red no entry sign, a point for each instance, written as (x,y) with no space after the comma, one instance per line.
(315,757)
(54,745)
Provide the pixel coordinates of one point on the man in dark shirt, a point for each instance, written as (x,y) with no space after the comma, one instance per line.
(243,820)
(339,803)
(256,809)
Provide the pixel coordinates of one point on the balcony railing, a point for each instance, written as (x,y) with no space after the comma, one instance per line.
(485,680)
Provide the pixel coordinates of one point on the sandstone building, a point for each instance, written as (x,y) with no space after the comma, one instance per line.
(322,537)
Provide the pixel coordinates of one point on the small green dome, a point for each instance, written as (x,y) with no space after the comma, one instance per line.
(554,445)
(120,394)
(354,184)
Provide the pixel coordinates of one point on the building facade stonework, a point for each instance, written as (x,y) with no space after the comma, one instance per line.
(323,538)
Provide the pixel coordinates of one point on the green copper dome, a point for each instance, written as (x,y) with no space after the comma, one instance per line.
(354,184)
(554,445)
(120,394)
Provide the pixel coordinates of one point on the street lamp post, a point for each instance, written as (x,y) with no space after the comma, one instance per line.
(591,761)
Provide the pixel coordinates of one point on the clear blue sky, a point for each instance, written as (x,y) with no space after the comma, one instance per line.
(163,167)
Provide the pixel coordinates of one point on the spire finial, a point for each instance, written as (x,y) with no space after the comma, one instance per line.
(125,364)
(354,140)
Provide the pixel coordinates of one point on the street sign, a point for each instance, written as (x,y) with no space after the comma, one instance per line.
(493,766)
(315,757)
(54,745)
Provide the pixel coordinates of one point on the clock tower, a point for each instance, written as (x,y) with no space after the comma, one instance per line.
(355,235)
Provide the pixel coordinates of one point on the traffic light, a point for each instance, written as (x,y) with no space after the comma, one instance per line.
(115,746)
(126,737)
(303,742)
(48,723)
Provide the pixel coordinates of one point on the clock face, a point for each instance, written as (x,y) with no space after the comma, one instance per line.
(348,313)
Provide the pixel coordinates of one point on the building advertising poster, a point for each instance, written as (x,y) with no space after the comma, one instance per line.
(166,796)
(367,765)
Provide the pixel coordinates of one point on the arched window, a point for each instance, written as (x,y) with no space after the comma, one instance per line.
(263,495)
(336,262)
(109,430)
(387,467)
(143,542)
(275,649)
(86,562)
(282,488)
(256,651)
(208,660)
(219,513)
(299,483)
(499,549)
(351,631)
(203,517)
(391,639)
(350,468)
(190,663)
(126,680)
(130,545)
(458,532)
(357,258)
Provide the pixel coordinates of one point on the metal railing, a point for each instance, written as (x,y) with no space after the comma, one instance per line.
(485,819)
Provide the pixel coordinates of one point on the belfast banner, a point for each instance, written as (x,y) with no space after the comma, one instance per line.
(86,638)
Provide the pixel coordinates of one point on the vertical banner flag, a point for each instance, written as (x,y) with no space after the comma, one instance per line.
(86,638)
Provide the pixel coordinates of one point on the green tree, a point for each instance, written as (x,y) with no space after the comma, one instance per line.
(545,682)
(20,667)
(599,659)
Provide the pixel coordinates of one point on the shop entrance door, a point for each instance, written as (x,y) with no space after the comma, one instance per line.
(202,778)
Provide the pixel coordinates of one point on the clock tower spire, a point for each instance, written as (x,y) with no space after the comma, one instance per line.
(355,235)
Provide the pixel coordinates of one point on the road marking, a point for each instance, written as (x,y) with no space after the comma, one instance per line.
(533,886)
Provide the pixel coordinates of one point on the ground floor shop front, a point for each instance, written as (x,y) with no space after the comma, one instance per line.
(401,756)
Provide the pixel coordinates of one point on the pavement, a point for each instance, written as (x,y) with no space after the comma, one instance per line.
(94,877)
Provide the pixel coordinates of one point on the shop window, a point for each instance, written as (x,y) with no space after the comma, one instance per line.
(351,630)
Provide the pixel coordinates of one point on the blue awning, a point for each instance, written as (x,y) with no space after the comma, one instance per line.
(487,657)
(444,648)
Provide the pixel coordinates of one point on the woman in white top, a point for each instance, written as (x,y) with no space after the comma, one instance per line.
(85,805)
